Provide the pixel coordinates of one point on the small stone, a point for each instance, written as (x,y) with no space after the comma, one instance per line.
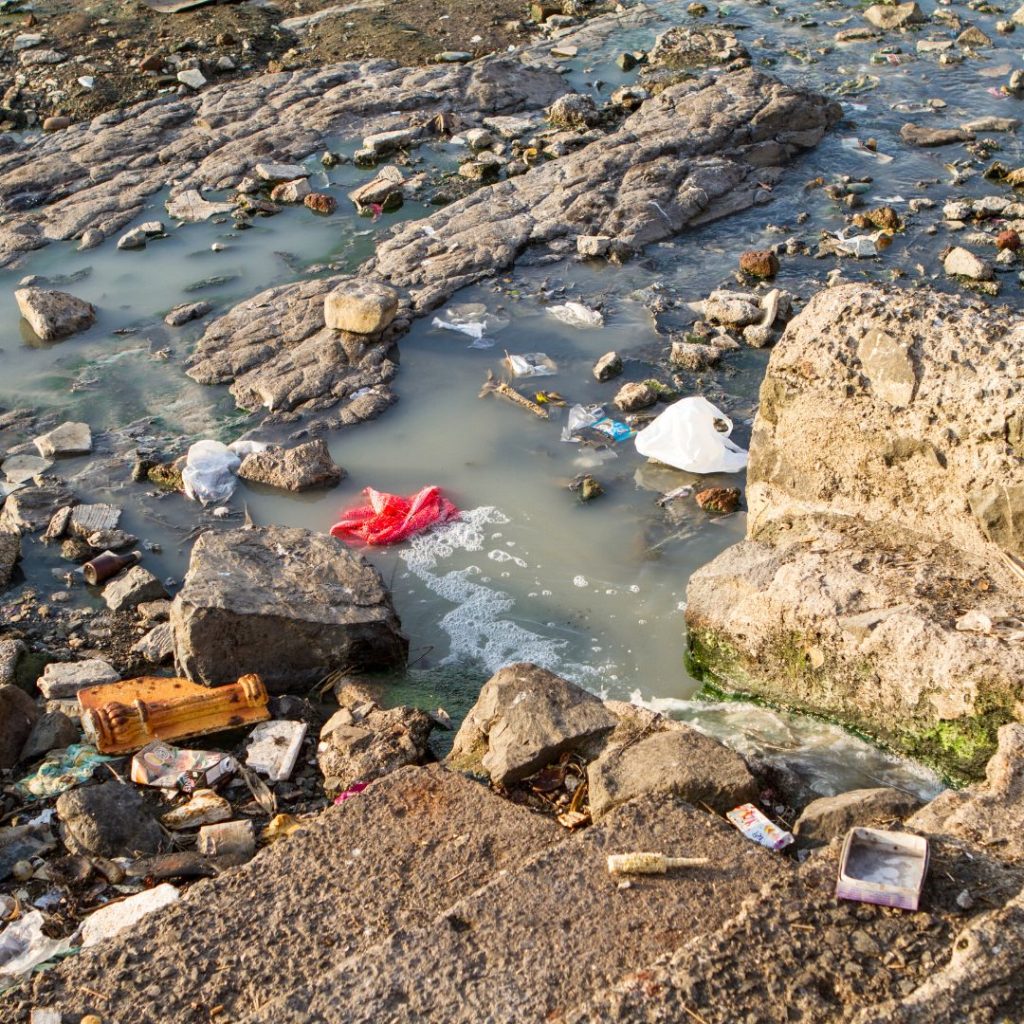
(693,356)
(758,335)
(573,110)
(719,499)
(1008,240)
(760,263)
(19,469)
(829,817)
(479,170)
(626,61)
(302,468)
(67,439)
(10,553)
(152,62)
(961,262)
(53,314)
(108,820)
(18,714)
(192,77)
(280,172)
(53,731)
(886,16)
(10,654)
(608,366)
(62,679)
(972,38)
(185,313)
(593,245)
(732,309)
(225,63)
(361,307)
(134,239)
(916,135)
(90,239)
(587,487)
(291,191)
(56,123)
(635,396)
(157,646)
(320,203)
(384,143)
(39,58)
(130,589)
(479,138)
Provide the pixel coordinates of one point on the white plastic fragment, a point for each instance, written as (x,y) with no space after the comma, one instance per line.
(274,748)
(578,315)
(115,917)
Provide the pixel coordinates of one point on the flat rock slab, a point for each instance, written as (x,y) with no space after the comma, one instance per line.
(65,678)
(505,949)
(287,604)
(831,817)
(302,468)
(523,719)
(31,508)
(391,858)
(67,439)
(681,762)
(132,588)
(54,315)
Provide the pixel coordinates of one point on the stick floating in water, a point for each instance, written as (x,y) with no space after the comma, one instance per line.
(650,863)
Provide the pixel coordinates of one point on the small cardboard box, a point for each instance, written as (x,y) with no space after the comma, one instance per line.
(886,868)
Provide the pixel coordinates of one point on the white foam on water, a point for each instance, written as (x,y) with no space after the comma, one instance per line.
(479,626)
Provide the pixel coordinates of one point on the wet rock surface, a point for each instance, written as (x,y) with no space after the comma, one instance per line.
(301,468)
(328,609)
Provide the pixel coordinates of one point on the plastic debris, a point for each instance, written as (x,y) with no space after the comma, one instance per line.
(61,771)
(758,828)
(531,364)
(230,843)
(592,417)
(578,315)
(886,868)
(855,145)
(203,808)
(160,764)
(390,518)
(859,246)
(209,473)
(115,917)
(354,790)
(273,748)
(23,945)
(473,320)
(650,863)
(122,717)
(687,435)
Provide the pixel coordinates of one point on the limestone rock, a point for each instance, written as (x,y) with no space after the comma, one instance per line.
(385,191)
(10,653)
(52,314)
(681,762)
(293,469)
(593,245)
(888,366)
(635,396)
(573,110)
(18,713)
(108,820)
(132,588)
(608,366)
(65,678)
(188,311)
(523,719)
(693,356)
(190,206)
(157,646)
(361,307)
(732,309)
(291,191)
(67,439)
(831,817)
(271,171)
(886,16)
(287,604)
(30,508)
(917,135)
(960,262)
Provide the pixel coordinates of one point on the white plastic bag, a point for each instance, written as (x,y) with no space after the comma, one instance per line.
(578,315)
(209,473)
(685,436)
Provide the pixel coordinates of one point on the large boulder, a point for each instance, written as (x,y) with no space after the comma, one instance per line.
(679,761)
(885,494)
(52,314)
(287,604)
(524,718)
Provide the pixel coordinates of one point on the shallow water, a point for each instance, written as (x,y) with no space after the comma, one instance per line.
(592,591)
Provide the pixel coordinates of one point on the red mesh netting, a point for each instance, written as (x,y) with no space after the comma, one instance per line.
(390,518)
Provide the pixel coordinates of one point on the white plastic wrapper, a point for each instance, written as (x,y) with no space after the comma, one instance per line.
(209,473)
(687,436)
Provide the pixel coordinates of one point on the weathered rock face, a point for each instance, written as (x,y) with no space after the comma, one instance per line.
(54,315)
(292,469)
(67,439)
(360,307)
(287,604)
(10,552)
(523,719)
(680,761)
(885,481)
(830,817)
(108,820)
(31,508)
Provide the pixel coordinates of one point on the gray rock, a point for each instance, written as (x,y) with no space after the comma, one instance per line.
(693,356)
(67,439)
(288,604)
(10,654)
(593,245)
(52,731)
(132,588)
(293,469)
(960,262)
(157,646)
(635,396)
(10,553)
(90,239)
(385,190)
(65,678)
(918,135)
(732,309)
(87,520)
(192,77)
(187,312)
(574,110)
(155,611)
(523,719)
(608,366)
(291,191)
(52,314)
(384,143)
(271,171)
(108,820)
(682,762)
(360,307)
(362,742)
(134,239)
(825,819)
(19,469)
(18,713)
(31,508)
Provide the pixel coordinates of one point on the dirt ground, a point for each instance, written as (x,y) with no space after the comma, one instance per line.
(105,41)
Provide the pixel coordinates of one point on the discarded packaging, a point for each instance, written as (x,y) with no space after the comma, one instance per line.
(204,808)
(687,436)
(886,868)
(62,771)
(390,518)
(354,790)
(23,945)
(273,748)
(859,246)
(531,364)
(592,417)
(755,826)
(472,319)
(160,764)
(231,843)
(122,717)
(209,473)
(115,917)
(578,315)
(650,863)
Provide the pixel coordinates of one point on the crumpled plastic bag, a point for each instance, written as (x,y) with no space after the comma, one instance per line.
(472,319)
(209,473)
(576,314)
(390,518)
(23,945)
(530,364)
(685,435)
(61,771)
